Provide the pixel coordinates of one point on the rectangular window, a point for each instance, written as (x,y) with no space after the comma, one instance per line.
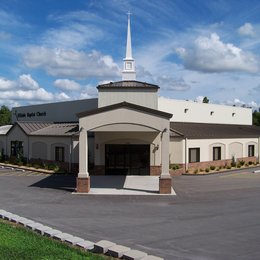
(194,155)
(216,153)
(251,150)
(17,148)
(59,154)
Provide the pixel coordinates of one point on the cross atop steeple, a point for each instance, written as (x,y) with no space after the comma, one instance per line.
(129,63)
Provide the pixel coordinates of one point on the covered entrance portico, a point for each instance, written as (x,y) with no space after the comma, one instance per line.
(129,139)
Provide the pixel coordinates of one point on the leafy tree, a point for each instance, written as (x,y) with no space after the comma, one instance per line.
(256,118)
(205,100)
(5,115)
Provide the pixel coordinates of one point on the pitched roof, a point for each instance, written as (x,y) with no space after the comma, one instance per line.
(58,129)
(29,127)
(207,131)
(128,84)
(125,105)
(5,129)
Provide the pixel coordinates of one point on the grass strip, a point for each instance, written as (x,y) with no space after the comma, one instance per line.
(20,243)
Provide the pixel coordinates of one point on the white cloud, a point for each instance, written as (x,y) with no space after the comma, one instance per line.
(253,104)
(240,103)
(6,84)
(25,81)
(39,94)
(246,30)
(212,55)
(61,96)
(26,90)
(74,36)
(88,92)
(169,83)
(66,84)
(71,63)
(199,99)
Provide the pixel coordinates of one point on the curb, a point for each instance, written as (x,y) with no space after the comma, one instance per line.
(24,168)
(103,246)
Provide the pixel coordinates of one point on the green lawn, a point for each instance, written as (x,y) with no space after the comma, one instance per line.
(19,243)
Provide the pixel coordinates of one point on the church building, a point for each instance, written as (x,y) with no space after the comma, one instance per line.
(128,130)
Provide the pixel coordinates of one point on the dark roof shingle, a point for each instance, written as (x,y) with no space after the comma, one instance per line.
(207,131)
(29,127)
(128,84)
(58,129)
(125,105)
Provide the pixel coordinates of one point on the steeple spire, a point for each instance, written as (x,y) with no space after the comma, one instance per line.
(129,63)
(128,43)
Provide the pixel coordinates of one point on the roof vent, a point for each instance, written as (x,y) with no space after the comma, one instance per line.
(211,113)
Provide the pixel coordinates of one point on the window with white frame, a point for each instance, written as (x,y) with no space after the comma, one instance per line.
(194,155)
(216,153)
(251,150)
(59,154)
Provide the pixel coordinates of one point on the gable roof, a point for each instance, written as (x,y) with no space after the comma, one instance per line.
(29,127)
(207,131)
(58,129)
(5,129)
(125,105)
(128,84)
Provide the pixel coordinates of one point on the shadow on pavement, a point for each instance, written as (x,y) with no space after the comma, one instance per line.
(111,181)
(58,182)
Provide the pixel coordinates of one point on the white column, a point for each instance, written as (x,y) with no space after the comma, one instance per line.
(165,137)
(83,154)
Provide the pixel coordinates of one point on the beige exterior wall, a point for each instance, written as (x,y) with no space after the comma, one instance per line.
(49,143)
(141,97)
(16,134)
(142,127)
(230,147)
(188,111)
(177,151)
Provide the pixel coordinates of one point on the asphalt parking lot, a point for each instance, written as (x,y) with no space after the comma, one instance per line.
(212,217)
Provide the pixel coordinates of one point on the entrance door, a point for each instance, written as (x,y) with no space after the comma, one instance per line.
(130,159)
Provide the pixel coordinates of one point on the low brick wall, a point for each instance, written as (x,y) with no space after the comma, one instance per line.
(177,172)
(222,163)
(155,170)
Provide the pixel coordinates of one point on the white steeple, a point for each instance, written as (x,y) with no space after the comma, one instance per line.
(129,63)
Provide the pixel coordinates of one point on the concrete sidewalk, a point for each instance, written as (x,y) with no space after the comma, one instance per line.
(125,185)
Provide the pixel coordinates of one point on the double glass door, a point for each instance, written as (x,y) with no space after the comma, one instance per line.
(129,159)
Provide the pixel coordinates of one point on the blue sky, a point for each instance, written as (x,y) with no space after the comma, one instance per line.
(61,50)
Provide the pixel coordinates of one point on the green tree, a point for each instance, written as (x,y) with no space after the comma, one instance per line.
(5,115)
(205,100)
(256,118)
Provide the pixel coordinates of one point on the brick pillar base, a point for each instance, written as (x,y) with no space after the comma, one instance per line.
(83,185)
(165,184)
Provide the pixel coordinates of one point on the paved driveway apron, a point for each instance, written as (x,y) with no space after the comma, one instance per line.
(212,217)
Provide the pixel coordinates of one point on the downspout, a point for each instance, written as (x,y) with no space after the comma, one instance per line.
(70,162)
(28,157)
(258,149)
(186,155)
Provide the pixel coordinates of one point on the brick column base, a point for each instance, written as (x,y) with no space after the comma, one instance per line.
(83,185)
(165,184)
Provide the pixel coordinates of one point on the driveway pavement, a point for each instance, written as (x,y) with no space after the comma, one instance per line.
(212,217)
